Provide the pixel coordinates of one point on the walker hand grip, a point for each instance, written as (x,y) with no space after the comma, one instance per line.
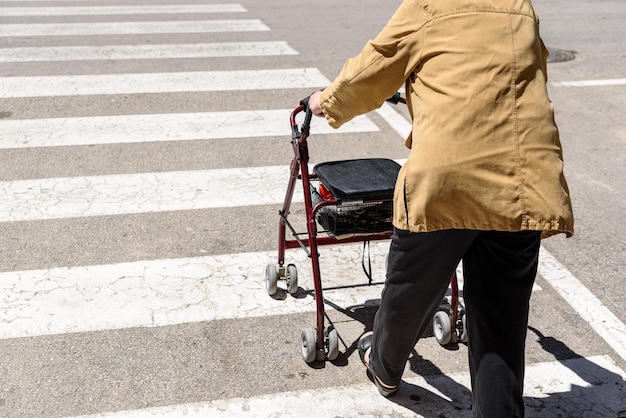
(307,117)
(305,102)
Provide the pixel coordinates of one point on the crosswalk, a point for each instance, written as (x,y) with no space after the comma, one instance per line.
(188,82)
(125,28)
(120,52)
(161,292)
(96,130)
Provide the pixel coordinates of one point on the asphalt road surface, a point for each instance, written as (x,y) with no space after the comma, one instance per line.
(144,153)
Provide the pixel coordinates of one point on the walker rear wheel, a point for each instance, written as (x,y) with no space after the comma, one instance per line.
(464,335)
(309,345)
(292,279)
(442,328)
(331,343)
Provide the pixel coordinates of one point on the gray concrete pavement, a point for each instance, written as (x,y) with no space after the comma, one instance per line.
(102,314)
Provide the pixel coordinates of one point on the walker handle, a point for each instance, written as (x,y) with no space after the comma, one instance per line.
(305,102)
(307,117)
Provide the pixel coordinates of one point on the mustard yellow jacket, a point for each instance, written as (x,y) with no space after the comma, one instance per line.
(485,149)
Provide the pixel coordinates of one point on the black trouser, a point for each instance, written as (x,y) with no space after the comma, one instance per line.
(499,270)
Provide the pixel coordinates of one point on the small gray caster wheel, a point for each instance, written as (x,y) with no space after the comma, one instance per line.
(464,335)
(309,345)
(442,328)
(331,343)
(271,279)
(292,279)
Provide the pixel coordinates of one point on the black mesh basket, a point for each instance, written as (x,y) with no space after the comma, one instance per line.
(354,218)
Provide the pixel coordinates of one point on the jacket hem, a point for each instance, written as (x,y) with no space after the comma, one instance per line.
(547,229)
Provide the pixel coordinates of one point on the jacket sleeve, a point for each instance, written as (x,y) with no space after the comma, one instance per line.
(380,69)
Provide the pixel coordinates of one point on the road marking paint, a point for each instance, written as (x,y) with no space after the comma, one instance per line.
(174,291)
(120,10)
(69,197)
(58,132)
(198,81)
(586,304)
(591,83)
(553,389)
(131,28)
(72,197)
(136,52)
(55,198)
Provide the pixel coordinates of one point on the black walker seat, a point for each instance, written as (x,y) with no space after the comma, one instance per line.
(364,179)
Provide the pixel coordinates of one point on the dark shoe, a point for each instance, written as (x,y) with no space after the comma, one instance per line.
(364,346)
(365,343)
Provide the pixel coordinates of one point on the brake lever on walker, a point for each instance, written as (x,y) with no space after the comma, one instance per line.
(395,99)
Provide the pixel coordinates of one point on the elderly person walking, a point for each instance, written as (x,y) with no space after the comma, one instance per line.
(483,182)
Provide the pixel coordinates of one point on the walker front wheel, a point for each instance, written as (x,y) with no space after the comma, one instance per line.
(271,279)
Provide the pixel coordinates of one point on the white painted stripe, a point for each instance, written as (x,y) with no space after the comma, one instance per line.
(164,127)
(174,291)
(69,197)
(591,83)
(131,28)
(598,383)
(54,198)
(120,10)
(77,85)
(168,292)
(72,197)
(124,52)
(586,304)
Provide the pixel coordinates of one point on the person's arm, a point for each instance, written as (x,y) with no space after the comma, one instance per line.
(381,68)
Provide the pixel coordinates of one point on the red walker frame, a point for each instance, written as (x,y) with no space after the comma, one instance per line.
(321,343)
